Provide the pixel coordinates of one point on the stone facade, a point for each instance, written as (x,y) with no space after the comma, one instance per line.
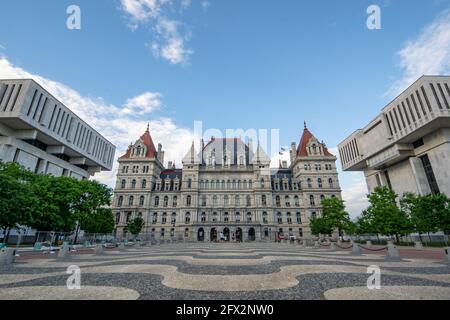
(407,146)
(228,188)
(40,133)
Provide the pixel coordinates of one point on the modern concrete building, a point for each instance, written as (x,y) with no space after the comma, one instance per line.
(40,133)
(407,146)
(227,188)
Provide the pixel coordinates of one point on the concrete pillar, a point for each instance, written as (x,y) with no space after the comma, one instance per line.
(418,245)
(63,252)
(356,249)
(7,256)
(99,249)
(393,251)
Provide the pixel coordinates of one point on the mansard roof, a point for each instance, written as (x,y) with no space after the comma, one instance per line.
(305,140)
(147,140)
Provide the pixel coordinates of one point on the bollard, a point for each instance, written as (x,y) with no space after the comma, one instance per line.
(63,251)
(356,249)
(332,246)
(418,245)
(7,256)
(392,251)
(368,243)
(447,254)
(99,249)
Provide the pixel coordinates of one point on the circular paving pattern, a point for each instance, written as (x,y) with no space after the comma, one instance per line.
(247,271)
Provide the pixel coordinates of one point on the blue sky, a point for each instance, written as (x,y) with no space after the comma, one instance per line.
(259,64)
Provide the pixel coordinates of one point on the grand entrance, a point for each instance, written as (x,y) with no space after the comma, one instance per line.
(251,234)
(201,235)
(213,235)
(226,233)
(239,235)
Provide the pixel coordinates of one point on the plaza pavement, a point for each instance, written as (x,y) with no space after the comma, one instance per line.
(195,271)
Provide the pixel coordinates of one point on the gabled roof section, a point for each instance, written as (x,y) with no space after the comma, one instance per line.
(147,140)
(304,141)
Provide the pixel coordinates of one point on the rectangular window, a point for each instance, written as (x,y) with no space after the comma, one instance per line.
(430,174)
(418,143)
(426,99)
(3,89)
(9,97)
(447,89)
(37,106)
(15,98)
(415,107)
(389,125)
(436,96)
(443,95)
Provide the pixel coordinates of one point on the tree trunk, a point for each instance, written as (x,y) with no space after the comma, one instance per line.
(397,239)
(76,234)
(429,236)
(7,235)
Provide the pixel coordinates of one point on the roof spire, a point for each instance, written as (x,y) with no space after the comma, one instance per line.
(148,127)
(306,127)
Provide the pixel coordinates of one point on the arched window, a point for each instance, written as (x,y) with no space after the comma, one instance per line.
(164,218)
(319,182)
(245,184)
(203,217)
(228,184)
(173,220)
(202,184)
(203,201)
(162,232)
(128,217)
(187,218)
(223,184)
(175,201)
(141,201)
(250,184)
(287,201)
(123,184)
(297,201)
(289,218)
(330,182)
(299,218)
(239,185)
(265,217)
(312,201)
(217,184)
(264,200)
(322,197)
(133,184)
(188,201)
(156,201)
(226,200)
(238,217)
(249,201)
(166,201)
(120,201)
(278,201)
(234,184)
(155,218)
(207,184)
(117,217)
(309,183)
(189,184)
(130,200)
(144,184)
(226,217)
(215,201)
(263,185)
(279,218)
(238,200)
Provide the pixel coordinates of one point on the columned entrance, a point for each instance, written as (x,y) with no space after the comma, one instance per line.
(213,235)
(239,235)
(226,233)
(251,234)
(201,235)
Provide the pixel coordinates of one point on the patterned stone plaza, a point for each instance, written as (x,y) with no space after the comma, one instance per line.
(193,271)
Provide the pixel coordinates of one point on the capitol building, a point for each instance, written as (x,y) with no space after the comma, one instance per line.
(224,192)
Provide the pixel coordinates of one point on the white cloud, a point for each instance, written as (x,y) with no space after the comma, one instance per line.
(205,4)
(428,54)
(144,103)
(111,121)
(169,42)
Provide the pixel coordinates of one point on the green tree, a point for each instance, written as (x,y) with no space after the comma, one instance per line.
(135,226)
(17,202)
(439,208)
(100,222)
(386,217)
(335,215)
(320,226)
